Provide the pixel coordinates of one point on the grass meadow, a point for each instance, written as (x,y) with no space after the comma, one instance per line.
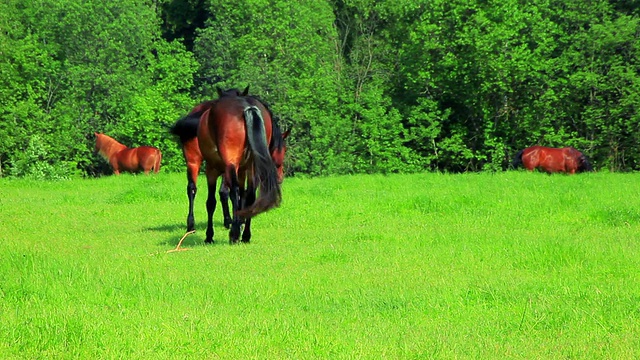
(511,265)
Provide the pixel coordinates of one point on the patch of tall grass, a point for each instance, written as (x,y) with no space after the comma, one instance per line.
(506,265)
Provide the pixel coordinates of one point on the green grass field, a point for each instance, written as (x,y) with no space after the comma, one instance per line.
(487,266)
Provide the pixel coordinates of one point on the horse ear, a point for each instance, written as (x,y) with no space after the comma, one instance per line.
(286,134)
(219,91)
(246,91)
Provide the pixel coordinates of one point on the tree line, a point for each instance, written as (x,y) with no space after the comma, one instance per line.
(366,86)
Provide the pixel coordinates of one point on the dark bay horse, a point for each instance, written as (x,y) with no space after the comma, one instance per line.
(187,129)
(123,158)
(566,160)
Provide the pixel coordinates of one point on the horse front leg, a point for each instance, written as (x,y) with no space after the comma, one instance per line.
(115,165)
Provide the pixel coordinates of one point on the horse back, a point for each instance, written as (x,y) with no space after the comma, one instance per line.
(206,140)
(226,128)
(145,158)
(544,158)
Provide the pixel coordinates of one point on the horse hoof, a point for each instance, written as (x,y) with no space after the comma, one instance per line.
(208,241)
(233,238)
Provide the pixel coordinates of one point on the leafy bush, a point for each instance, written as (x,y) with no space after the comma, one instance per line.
(35,163)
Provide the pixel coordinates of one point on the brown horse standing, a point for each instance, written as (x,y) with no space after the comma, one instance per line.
(122,158)
(566,160)
(232,133)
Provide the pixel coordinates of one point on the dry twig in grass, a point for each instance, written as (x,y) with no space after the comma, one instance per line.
(180,242)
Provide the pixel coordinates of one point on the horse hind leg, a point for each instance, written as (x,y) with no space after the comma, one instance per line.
(249,199)
(224,199)
(212,177)
(192,189)
(193,159)
(156,166)
(231,177)
(529,164)
(144,166)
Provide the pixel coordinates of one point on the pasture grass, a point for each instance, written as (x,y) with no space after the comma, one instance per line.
(510,265)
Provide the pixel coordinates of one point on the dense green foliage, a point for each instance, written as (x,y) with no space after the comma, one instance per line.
(483,266)
(368,86)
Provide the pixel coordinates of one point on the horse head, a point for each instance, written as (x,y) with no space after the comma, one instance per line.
(278,148)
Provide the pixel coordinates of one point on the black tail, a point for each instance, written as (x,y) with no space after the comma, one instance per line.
(517,160)
(187,127)
(264,169)
(585,165)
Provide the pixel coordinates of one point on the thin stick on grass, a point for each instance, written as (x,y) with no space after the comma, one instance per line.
(180,242)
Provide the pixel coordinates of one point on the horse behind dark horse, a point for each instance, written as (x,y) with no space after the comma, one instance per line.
(551,160)
(123,158)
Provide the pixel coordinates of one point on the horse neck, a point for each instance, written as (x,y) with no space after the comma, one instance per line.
(108,146)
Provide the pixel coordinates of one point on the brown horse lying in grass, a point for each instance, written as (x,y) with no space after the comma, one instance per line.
(122,158)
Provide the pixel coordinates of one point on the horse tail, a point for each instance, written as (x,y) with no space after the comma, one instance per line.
(517,160)
(187,127)
(156,166)
(585,164)
(264,170)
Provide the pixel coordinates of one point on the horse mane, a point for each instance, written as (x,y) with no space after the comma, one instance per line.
(277,142)
(107,146)
(232,92)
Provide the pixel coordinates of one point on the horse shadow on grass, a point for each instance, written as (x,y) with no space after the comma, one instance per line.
(178,230)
